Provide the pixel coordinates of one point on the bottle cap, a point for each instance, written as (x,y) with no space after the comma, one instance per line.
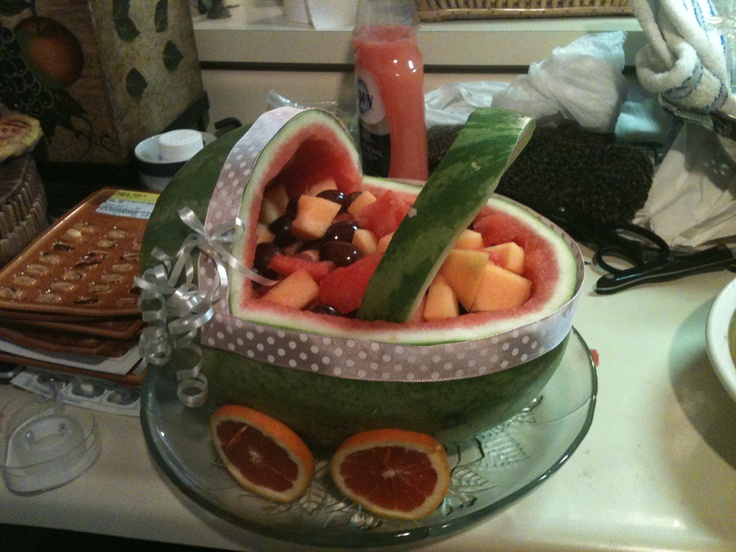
(179,145)
(386,12)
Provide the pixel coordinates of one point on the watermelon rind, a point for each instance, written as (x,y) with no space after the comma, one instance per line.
(454,194)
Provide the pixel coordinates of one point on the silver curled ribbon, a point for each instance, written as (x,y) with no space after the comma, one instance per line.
(173,308)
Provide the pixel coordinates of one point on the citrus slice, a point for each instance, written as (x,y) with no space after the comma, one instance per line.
(392,472)
(261,453)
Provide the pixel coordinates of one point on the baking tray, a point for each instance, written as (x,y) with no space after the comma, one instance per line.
(63,342)
(84,265)
(122,328)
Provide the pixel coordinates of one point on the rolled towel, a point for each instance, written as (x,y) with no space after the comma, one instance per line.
(682,61)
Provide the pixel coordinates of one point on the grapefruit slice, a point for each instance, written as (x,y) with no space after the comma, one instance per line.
(392,472)
(261,453)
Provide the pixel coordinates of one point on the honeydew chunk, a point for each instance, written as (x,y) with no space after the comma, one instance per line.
(296,291)
(469,239)
(501,289)
(509,255)
(441,302)
(359,203)
(310,254)
(263,234)
(383,243)
(322,185)
(273,205)
(313,217)
(292,249)
(365,241)
(463,269)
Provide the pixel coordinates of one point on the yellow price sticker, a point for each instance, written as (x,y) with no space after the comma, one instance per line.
(129,203)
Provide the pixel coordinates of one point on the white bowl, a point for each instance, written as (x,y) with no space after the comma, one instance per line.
(720,320)
(161,156)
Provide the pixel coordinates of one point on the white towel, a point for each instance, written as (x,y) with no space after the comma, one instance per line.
(682,61)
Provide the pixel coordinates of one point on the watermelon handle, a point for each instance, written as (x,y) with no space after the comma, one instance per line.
(456,191)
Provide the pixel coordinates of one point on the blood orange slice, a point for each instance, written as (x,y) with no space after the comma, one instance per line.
(262,454)
(392,472)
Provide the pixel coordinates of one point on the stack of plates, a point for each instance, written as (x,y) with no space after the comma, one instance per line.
(69,300)
(22,206)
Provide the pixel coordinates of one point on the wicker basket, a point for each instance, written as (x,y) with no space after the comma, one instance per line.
(22,206)
(444,10)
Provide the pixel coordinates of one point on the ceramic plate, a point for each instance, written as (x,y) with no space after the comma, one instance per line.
(720,343)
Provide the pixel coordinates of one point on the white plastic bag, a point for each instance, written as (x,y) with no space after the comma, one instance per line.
(583,81)
(452,103)
(692,202)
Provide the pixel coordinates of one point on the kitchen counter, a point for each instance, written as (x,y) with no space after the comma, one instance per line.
(657,470)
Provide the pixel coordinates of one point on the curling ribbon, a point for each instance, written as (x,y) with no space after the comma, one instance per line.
(173,309)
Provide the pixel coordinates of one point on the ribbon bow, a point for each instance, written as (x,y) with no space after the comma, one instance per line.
(174,309)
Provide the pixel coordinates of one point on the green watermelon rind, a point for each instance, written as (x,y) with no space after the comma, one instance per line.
(450,200)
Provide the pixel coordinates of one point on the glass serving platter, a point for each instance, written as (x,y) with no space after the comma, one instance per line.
(489,472)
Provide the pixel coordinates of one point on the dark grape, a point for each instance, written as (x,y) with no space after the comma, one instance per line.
(336,196)
(339,252)
(343,230)
(265,251)
(321,308)
(292,207)
(281,230)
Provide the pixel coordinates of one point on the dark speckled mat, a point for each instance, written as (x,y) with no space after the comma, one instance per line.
(569,167)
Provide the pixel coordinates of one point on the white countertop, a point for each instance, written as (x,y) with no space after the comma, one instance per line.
(657,471)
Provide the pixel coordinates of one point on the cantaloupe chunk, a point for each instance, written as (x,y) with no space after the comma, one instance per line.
(469,239)
(365,241)
(273,205)
(509,255)
(322,185)
(441,302)
(313,217)
(297,290)
(383,243)
(501,289)
(463,270)
(360,202)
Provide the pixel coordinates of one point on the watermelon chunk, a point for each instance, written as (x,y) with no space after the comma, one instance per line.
(384,215)
(344,287)
(285,265)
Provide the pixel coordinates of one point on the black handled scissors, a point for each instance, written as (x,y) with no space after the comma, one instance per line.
(630,254)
